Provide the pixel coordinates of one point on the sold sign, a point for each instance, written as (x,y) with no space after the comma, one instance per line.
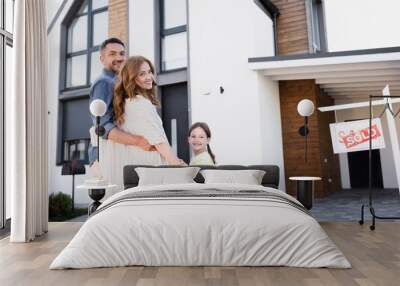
(358,137)
(354,135)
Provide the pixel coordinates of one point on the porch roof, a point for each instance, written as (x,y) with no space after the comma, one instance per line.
(348,74)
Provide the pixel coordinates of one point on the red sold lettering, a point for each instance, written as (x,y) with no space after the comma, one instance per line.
(355,138)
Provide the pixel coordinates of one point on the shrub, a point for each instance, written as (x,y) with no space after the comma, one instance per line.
(60,205)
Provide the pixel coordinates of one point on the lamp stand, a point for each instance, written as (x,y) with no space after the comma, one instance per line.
(305,137)
(73,192)
(98,137)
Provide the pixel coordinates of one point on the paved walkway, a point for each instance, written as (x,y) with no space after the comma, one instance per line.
(345,205)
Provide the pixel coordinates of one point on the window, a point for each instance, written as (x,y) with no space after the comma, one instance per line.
(84,29)
(75,150)
(317,27)
(6,65)
(173,34)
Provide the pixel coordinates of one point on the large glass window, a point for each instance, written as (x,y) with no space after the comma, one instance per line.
(173,35)
(86,30)
(86,27)
(6,66)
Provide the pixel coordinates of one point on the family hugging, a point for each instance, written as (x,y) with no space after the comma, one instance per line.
(134,133)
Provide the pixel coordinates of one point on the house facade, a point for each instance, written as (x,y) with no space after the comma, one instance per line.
(241,66)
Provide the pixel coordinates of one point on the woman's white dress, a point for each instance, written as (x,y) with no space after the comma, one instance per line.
(141,118)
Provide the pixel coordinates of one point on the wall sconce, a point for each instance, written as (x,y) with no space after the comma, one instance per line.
(305,108)
(98,108)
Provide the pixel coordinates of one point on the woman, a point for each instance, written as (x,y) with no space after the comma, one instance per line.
(135,112)
(199,141)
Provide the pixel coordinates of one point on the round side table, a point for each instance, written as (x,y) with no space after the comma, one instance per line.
(305,190)
(96,193)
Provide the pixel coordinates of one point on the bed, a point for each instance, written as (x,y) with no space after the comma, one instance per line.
(201,224)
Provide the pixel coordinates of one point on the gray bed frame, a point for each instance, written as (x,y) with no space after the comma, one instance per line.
(270,179)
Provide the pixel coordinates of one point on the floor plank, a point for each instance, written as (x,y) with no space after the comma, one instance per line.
(375,257)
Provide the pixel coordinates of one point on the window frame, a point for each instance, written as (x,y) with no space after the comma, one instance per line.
(74,92)
(163,33)
(317,31)
(89,44)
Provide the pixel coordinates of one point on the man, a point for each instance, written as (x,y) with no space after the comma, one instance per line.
(112,56)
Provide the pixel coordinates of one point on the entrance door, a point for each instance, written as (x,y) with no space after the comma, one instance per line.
(358,168)
(174,104)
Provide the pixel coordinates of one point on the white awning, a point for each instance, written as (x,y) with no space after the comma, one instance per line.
(353,74)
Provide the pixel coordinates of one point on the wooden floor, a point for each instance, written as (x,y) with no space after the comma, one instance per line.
(375,257)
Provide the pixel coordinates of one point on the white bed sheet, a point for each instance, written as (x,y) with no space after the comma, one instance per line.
(200,231)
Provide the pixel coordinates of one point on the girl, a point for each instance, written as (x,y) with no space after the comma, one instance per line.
(199,139)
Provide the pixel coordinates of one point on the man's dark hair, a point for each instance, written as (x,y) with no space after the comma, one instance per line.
(111,41)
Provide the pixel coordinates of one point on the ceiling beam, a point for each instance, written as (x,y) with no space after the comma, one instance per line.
(357,79)
(373,84)
(331,68)
(360,94)
(319,75)
(363,89)
(356,105)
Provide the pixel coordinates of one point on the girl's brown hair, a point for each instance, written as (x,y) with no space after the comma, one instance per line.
(207,130)
(126,87)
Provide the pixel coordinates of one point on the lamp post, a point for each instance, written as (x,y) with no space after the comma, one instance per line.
(305,108)
(98,108)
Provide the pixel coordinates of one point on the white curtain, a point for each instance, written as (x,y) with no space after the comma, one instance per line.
(28,123)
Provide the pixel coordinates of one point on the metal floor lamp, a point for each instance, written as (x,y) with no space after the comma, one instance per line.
(370,197)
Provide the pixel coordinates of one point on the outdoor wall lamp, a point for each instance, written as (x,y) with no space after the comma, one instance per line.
(305,108)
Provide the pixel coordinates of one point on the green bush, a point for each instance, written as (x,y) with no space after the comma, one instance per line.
(60,208)
(60,205)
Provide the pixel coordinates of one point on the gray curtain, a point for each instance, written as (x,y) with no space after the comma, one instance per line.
(28,123)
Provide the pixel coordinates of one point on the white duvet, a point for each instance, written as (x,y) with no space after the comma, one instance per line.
(200,231)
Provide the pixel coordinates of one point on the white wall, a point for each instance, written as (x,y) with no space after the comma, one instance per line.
(52,7)
(262,32)
(362,24)
(245,119)
(141,29)
(387,163)
(271,126)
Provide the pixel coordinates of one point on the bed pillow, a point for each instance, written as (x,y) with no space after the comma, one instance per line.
(248,177)
(166,176)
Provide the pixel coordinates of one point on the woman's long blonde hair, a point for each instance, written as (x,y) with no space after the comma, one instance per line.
(126,87)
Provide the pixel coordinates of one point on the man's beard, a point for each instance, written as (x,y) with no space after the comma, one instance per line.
(116,67)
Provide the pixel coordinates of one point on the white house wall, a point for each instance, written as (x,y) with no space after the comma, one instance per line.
(262,32)
(245,119)
(362,24)
(271,126)
(387,163)
(52,7)
(141,28)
